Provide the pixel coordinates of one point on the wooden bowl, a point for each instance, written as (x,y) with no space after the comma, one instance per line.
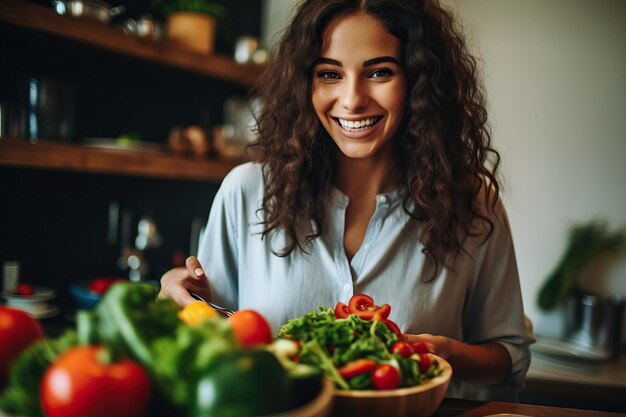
(319,406)
(418,401)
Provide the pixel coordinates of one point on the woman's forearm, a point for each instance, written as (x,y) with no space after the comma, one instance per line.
(487,363)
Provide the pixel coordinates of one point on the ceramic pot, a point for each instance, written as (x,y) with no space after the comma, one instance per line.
(193,32)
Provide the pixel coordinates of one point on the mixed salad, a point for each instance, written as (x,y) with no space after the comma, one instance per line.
(357,346)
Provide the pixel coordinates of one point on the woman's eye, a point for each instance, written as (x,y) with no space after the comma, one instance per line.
(381,73)
(327,75)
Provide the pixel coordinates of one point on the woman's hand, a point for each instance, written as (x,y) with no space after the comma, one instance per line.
(487,363)
(177,282)
(439,345)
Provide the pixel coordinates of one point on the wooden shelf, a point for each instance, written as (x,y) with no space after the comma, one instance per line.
(20,153)
(113,39)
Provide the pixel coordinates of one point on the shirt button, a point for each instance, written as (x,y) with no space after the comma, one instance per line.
(366,246)
(382,199)
(347,287)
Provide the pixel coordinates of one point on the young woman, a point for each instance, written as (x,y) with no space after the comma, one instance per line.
(374,174)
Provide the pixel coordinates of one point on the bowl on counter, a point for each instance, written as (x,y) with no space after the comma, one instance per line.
(39,305)
(84,298)
(418,401)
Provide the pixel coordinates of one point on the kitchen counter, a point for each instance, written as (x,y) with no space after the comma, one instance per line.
(559,380)
(464,408)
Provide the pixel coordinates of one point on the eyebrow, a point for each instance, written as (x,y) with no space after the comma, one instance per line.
(367,63)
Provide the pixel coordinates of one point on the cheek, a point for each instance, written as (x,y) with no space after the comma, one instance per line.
(396,105)
(322,100)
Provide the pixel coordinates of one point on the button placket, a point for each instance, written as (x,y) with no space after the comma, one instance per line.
(344,274)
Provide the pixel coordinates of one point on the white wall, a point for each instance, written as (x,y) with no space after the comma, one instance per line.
(555,72)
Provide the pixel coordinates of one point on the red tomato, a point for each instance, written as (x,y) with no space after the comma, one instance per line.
(424,362)
(341,310)
(17,331)
(402,348)
(393,326)
(25,289)
(363,306)
(356,367)
(386,376)
(421,347)
(250,328)
(78,384)
(102,285)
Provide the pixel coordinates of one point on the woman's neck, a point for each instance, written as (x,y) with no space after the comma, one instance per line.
(366,177)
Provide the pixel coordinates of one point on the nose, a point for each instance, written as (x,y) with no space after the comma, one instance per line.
(354,96)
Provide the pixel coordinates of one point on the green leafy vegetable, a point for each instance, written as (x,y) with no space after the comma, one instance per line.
(131,322)
(21,396)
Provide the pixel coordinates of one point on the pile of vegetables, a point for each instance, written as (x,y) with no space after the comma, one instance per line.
(358,347)
(135,356)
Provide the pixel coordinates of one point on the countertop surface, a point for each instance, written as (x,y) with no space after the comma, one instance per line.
(463,408)
(569,369)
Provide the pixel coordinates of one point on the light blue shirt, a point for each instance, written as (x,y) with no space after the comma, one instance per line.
(477,300)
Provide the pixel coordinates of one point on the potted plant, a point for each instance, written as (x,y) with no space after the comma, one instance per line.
(190,24)
(586,241)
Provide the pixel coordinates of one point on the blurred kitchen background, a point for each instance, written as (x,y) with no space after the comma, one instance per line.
(160,126)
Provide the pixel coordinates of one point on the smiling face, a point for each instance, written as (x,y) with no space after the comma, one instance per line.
(358,88)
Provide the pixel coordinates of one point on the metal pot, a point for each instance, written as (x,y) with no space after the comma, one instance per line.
(595,323)
(94,9)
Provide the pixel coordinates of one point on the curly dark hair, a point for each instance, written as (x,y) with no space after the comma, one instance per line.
(446,161)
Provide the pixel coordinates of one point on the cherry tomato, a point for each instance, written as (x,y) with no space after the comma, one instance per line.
(250,328)
(356,367)
(402,348)
(25,289)
(393,326)
(17,331)
(421,347)
(79,384)
(341,311)
(424,362)
(385,376)
(363,306)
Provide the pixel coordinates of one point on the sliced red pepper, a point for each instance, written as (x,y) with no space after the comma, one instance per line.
(356,367)
(363,305)
(341,311)
(393,326)
(382,312)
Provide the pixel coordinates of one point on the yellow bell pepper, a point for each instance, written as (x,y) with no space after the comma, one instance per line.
(195,312)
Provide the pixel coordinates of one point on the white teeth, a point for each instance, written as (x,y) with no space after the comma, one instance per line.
(358,124)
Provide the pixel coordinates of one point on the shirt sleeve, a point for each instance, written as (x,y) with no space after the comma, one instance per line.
(494,311)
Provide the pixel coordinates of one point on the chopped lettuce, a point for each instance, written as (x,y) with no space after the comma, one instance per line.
(329,343)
